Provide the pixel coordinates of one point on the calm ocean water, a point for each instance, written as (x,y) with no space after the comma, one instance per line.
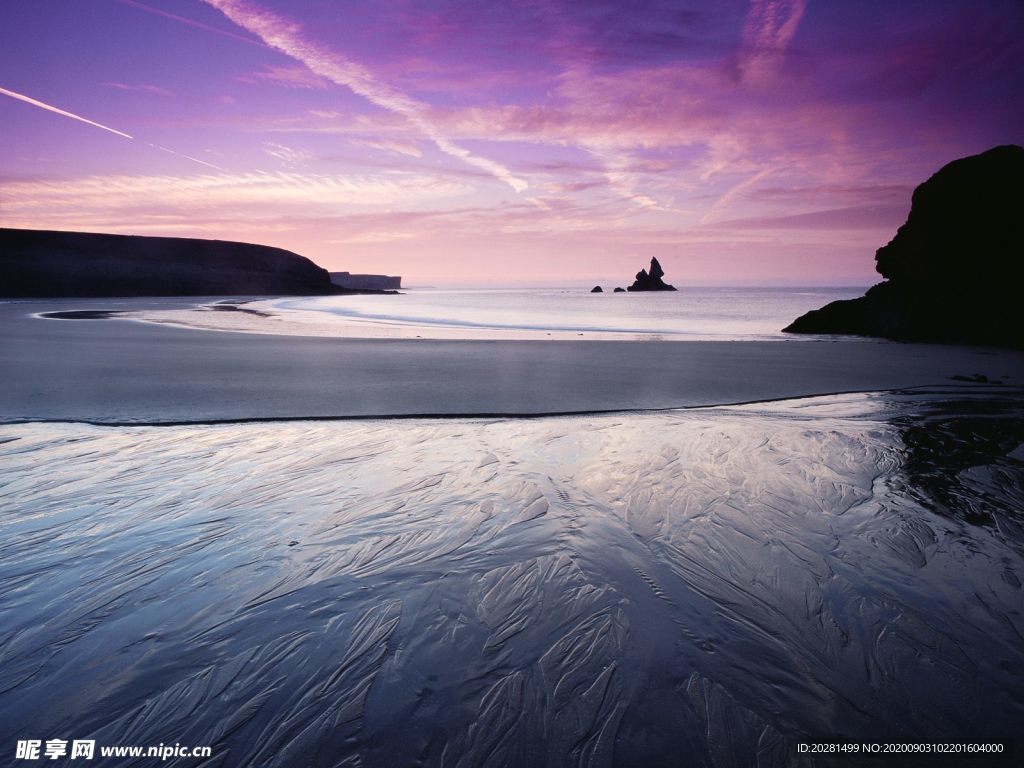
(689,312)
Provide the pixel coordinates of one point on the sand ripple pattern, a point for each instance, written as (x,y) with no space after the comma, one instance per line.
(703,587)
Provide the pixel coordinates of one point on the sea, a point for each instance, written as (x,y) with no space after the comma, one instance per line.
(689,313)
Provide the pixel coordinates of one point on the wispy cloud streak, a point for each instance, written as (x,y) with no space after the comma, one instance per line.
(144,88)
(187,157)
(73,116)
(735,192)
(291,76)
(286,37)
(767,31)
(242,197)
(65,113)
(191,22)
(287,156)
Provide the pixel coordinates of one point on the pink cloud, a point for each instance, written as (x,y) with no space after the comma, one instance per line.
(286,37)
(884,218)
(407,148)
(110,201)
(767,32)
(288,76)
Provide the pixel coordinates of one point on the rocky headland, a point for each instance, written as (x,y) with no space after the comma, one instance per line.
(953,272)
(43,264)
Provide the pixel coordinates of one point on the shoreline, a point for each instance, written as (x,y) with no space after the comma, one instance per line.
(105,371)
(923,393)
(291,316)
(267,317)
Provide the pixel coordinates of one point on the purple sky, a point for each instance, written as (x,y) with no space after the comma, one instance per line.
(552,141)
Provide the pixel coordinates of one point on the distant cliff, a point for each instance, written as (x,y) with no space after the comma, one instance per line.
(38,263)
(366,282)
(955,271)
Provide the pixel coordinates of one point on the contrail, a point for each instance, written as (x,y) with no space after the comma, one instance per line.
(187,157)
(192,22)
(72,115)
(732,192)
(284,36)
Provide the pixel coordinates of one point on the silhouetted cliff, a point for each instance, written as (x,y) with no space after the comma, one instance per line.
(954,270)
(38,263)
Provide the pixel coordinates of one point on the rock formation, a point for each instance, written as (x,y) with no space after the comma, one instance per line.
(651,281)
(357,282)
(38,263)
(597,289)
(619,290)
(955,270)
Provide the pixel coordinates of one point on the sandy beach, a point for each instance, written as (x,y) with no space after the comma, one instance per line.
(402,570)
(720,584)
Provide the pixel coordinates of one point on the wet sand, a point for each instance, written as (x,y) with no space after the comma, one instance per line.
(123,371)
(700,588)
(706,587)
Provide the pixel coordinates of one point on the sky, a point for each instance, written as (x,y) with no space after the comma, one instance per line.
(465,142)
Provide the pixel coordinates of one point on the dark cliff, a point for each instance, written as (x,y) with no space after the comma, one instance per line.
(39,263)
(954,270)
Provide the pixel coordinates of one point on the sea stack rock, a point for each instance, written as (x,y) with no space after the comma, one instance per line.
(651,281)
(955,271)
(597,289)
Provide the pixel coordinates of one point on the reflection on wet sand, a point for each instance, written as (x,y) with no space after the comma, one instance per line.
(707,586)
